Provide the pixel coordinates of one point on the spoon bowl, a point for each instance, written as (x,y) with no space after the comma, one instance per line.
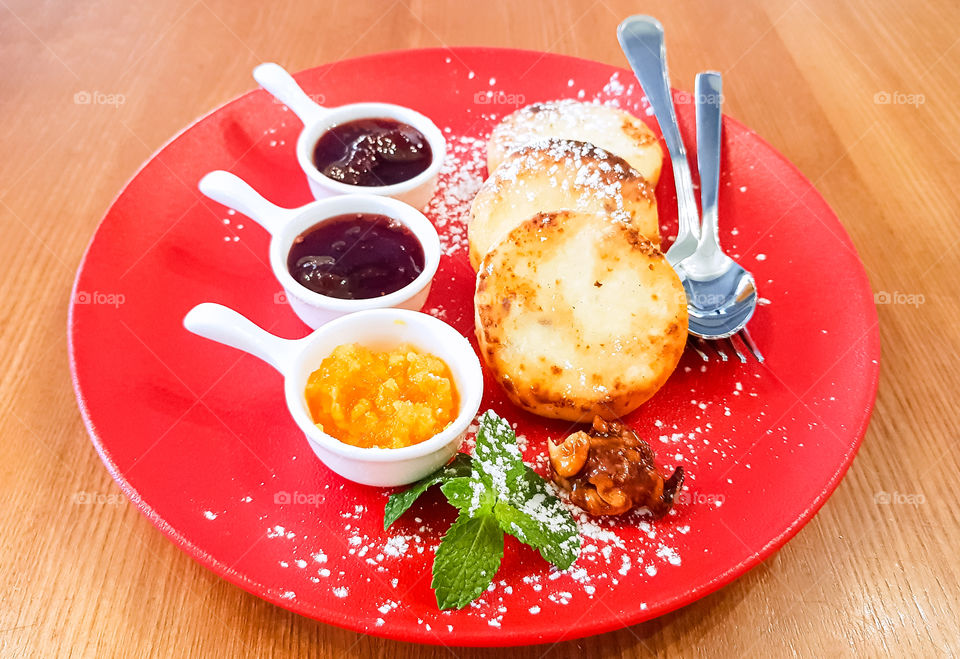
(721,306)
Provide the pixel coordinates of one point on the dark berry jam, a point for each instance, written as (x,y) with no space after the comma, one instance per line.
(372,152)
(356,256)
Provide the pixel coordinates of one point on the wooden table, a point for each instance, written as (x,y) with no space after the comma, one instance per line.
(862,98)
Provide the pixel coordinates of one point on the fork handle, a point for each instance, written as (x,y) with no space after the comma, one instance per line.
(709,99)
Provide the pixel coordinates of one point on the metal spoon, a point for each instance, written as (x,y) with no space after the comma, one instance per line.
(641,38)
(721,294)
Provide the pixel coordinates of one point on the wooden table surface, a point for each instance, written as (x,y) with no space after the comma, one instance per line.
(862,97)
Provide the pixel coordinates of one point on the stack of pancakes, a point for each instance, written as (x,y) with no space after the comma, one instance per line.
(578,314)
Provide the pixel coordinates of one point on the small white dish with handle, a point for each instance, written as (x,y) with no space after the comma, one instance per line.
(378,329)
(286,224)
(318,119)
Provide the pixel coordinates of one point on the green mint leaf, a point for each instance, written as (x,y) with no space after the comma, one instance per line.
(497,458)
(400,502)
(539,519)
(467,560)
(459,492)
(472,497)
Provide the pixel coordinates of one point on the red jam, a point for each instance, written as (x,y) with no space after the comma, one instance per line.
(356,256)
(372,152)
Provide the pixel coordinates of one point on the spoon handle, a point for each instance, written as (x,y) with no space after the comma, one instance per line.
(232,191)
(281,85)
(224,325)
(709,102)
(641,38)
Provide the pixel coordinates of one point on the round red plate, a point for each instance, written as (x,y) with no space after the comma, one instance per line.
(198,437)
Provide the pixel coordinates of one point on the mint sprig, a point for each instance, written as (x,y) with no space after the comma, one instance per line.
(399,503)
(467,558)
(496,493)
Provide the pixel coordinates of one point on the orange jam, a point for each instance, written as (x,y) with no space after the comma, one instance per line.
(382,398)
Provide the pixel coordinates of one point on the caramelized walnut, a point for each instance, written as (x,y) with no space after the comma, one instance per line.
(610,470)
(567,459)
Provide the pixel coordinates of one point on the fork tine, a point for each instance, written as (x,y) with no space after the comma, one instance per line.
(700,352)
(736,350)
(748,340)
(702,346)
(716,348)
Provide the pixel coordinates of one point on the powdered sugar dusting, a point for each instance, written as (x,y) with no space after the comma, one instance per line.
(460,178)
(593,177)
(573,119)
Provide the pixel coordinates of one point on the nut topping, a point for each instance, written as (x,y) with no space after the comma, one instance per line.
(610,470)
(569,457)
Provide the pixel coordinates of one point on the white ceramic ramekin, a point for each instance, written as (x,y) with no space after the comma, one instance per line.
(317,119)
(379,329)
(285,224)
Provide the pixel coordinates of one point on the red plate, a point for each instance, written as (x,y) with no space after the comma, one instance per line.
(198,437)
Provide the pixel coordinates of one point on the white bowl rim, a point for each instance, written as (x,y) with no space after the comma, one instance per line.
(470,389)
(334,116)
(321,210)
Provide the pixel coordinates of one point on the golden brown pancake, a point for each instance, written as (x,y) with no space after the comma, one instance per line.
(554,174)
(578,314)
(609,128)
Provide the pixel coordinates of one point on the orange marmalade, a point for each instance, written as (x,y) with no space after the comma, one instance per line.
(382,398)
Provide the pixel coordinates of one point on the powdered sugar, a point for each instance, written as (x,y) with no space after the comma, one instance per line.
(592,177)
(460,178)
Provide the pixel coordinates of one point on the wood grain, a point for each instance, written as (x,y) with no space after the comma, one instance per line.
(809,75)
